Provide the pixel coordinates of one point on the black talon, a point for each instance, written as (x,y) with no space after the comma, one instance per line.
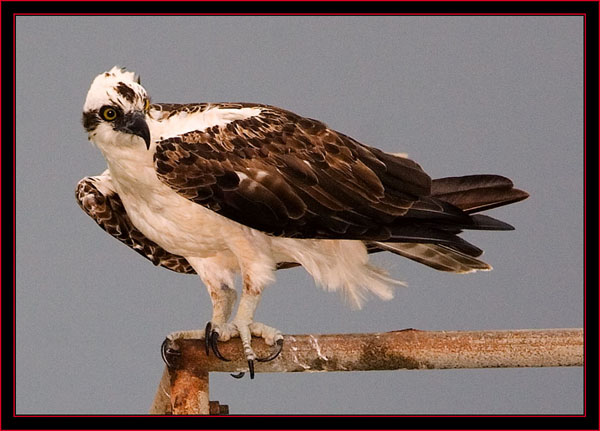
(238,375)
(207,332)
(275,353)
(162,351)
(170,355)
(251,367)
(213,344)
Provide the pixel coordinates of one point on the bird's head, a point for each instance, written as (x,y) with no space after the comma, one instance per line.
(115,109)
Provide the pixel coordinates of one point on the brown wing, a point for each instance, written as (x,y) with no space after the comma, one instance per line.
(106,208)
(292,176)
(471,193)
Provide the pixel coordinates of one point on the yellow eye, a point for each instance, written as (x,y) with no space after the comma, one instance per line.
(108,113)
(147,105)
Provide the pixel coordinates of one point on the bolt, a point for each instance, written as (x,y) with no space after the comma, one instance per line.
(218,409)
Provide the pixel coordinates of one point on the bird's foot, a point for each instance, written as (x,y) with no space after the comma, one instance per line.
(169,349)
(245,330)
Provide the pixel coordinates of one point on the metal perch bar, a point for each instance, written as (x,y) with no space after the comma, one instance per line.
(396,350)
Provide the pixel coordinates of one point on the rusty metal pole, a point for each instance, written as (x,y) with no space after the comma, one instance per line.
(162,399)
(183,390)
(405,349)
(189,392)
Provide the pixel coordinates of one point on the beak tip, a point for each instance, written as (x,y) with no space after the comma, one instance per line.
(136,124)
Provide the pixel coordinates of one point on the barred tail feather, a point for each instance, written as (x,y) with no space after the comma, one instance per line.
(436,256)
(476,193)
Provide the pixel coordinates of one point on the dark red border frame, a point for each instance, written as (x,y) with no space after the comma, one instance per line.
(588,10)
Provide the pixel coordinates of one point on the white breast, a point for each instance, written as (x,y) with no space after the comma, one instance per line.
(172,221)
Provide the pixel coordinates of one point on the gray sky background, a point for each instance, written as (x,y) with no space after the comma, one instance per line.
(460,95)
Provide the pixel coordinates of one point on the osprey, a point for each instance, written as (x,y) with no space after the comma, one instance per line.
(220,189)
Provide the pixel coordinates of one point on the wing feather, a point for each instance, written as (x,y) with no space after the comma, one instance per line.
(292,176)
(98,199)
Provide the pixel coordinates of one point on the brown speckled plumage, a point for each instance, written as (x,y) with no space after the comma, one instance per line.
(108,211)
(292,176)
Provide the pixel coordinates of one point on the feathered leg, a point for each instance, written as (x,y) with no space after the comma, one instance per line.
(256,273)
(220,286)
(244,326)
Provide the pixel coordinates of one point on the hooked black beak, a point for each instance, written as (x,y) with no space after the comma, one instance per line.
(135,124)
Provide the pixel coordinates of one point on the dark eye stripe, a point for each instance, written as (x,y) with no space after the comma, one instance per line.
(90,120)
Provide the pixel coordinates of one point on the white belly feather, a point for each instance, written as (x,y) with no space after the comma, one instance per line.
(177,224)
